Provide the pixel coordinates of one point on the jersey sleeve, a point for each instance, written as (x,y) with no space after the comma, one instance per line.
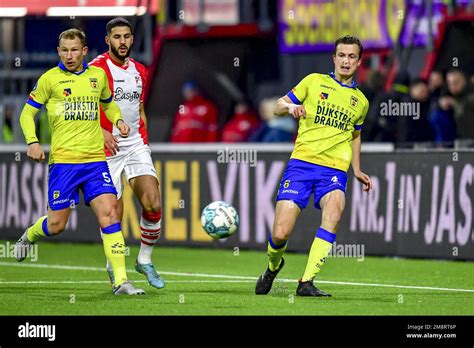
(144,76)
(101,62)
(298,94)
(106,94)
(360,121)
(41,92)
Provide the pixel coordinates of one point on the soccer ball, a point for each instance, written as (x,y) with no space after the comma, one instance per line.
(219,220)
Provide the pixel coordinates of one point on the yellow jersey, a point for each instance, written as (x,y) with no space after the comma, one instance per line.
(333,111)
(72,104)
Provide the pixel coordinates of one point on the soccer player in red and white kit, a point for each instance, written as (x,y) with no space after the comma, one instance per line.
(131,156)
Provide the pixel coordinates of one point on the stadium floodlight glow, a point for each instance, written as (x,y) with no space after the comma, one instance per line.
(13,11)
(94,11)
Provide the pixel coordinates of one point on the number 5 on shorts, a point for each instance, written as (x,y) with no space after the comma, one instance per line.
(106,177)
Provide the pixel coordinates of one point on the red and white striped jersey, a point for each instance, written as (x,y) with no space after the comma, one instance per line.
(127,83)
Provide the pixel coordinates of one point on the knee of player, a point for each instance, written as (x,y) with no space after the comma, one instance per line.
(56,226)
(280,234)
(113,215)
(109,214)
(333,216)
(151,204)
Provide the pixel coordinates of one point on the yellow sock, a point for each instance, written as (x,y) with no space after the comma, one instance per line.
(275,252)
(320,249)
(39,229)
(114,248)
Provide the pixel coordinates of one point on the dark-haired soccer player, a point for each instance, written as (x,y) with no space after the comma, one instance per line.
(72,92)
(331,111)
(131,156)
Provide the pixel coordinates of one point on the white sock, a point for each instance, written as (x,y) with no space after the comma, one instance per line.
(150,232)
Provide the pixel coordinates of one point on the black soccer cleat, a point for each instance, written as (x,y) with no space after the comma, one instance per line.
(308,289)
(265,281)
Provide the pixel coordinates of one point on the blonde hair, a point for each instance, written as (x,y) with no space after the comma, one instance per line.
(71,34)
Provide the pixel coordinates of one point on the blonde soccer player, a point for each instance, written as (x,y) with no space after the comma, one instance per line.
(72,93)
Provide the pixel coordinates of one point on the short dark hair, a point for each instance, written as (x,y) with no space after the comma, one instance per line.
(456,71)
(349,40)
(117,22)
(71,34)
(417,81)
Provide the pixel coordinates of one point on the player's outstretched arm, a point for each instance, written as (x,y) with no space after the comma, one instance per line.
(27,122)
(285,106)
(360,176)
(112,112)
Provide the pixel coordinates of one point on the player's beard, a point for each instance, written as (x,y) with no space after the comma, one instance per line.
(117,54)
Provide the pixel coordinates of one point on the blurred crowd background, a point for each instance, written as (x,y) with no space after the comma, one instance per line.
(217,67)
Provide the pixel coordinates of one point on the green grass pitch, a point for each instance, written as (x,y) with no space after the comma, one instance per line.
(68,279)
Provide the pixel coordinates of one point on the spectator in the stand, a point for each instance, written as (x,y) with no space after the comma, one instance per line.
(196,120)
(442,120)
(275,129)
(435,82)
(418,128)
(471,80)
(242,124)
(464,103)
(387,128)
(8,135)
(374,85)
(435,85)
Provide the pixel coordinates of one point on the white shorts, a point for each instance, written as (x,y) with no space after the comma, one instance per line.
(132,161)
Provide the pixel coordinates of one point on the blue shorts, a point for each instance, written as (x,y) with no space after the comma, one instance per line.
(65,180)
(301,179)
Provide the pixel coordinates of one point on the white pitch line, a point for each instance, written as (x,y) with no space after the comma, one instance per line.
(56,282)
(224,276)
(107,282)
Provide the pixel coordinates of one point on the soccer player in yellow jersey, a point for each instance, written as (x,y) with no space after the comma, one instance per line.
(72,92)
(331,111)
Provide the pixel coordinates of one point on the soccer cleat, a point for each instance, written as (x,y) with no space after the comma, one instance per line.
(127,288)
(265,281)
(154,279)
(23,246)
(308,289)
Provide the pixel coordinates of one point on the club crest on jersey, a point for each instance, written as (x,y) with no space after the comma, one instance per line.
(323,96)
(56,194)
(354,101)
(67,92)
(94,83)
(137,79)
(286,183)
